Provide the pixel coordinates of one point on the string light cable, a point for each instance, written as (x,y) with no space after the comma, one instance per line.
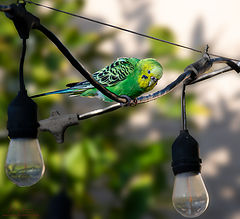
(58,123)
(126,30)
(6,8)
(23,124)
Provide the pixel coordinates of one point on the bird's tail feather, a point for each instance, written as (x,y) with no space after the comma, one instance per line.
(63,91)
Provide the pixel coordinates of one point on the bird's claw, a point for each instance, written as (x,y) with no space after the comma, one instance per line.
(130,101)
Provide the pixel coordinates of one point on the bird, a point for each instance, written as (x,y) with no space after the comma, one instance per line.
(126,76)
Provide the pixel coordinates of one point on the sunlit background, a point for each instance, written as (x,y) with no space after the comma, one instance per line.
(118,165)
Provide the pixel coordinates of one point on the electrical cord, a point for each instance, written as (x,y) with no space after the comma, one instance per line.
(21,77)
(126,30)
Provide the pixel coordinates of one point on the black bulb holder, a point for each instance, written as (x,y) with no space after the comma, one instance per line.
(22,19)
(185,154)
(22,111)
(22,117)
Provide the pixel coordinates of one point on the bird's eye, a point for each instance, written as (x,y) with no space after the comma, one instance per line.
(149,71)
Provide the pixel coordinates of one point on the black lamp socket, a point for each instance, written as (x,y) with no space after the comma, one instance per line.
(22,117)
(22,19)
(185,154)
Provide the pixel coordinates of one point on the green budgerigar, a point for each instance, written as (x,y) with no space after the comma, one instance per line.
(125,76)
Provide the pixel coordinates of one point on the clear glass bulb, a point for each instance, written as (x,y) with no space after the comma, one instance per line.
(190,197)
(24,164)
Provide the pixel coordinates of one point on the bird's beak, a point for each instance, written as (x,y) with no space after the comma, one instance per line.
(152,81)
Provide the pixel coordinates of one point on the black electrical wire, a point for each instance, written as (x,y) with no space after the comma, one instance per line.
(126,30)
(21,77)
(183,108)
(114,26)
(78,66)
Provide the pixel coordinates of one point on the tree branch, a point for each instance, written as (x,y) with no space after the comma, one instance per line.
(57,123)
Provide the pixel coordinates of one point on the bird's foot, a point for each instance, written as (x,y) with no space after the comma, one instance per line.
(130,101)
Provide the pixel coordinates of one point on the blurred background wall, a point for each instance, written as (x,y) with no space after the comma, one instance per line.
(118,165)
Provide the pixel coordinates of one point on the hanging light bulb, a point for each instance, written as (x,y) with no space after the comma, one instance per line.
(190,197)
(24,164)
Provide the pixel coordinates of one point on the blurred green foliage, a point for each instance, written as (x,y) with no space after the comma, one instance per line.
(160,49)
(104,175)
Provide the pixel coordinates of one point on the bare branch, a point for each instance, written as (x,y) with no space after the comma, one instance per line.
(100,111)
(57,123)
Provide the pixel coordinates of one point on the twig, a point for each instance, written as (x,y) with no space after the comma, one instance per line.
(57,123)
(99,111)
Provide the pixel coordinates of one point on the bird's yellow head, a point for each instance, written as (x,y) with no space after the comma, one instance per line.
(150,73)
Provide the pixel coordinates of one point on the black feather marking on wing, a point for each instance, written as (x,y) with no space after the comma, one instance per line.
(110,75)
(72,84)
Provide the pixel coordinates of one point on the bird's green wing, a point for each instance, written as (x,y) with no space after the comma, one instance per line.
(111,74)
